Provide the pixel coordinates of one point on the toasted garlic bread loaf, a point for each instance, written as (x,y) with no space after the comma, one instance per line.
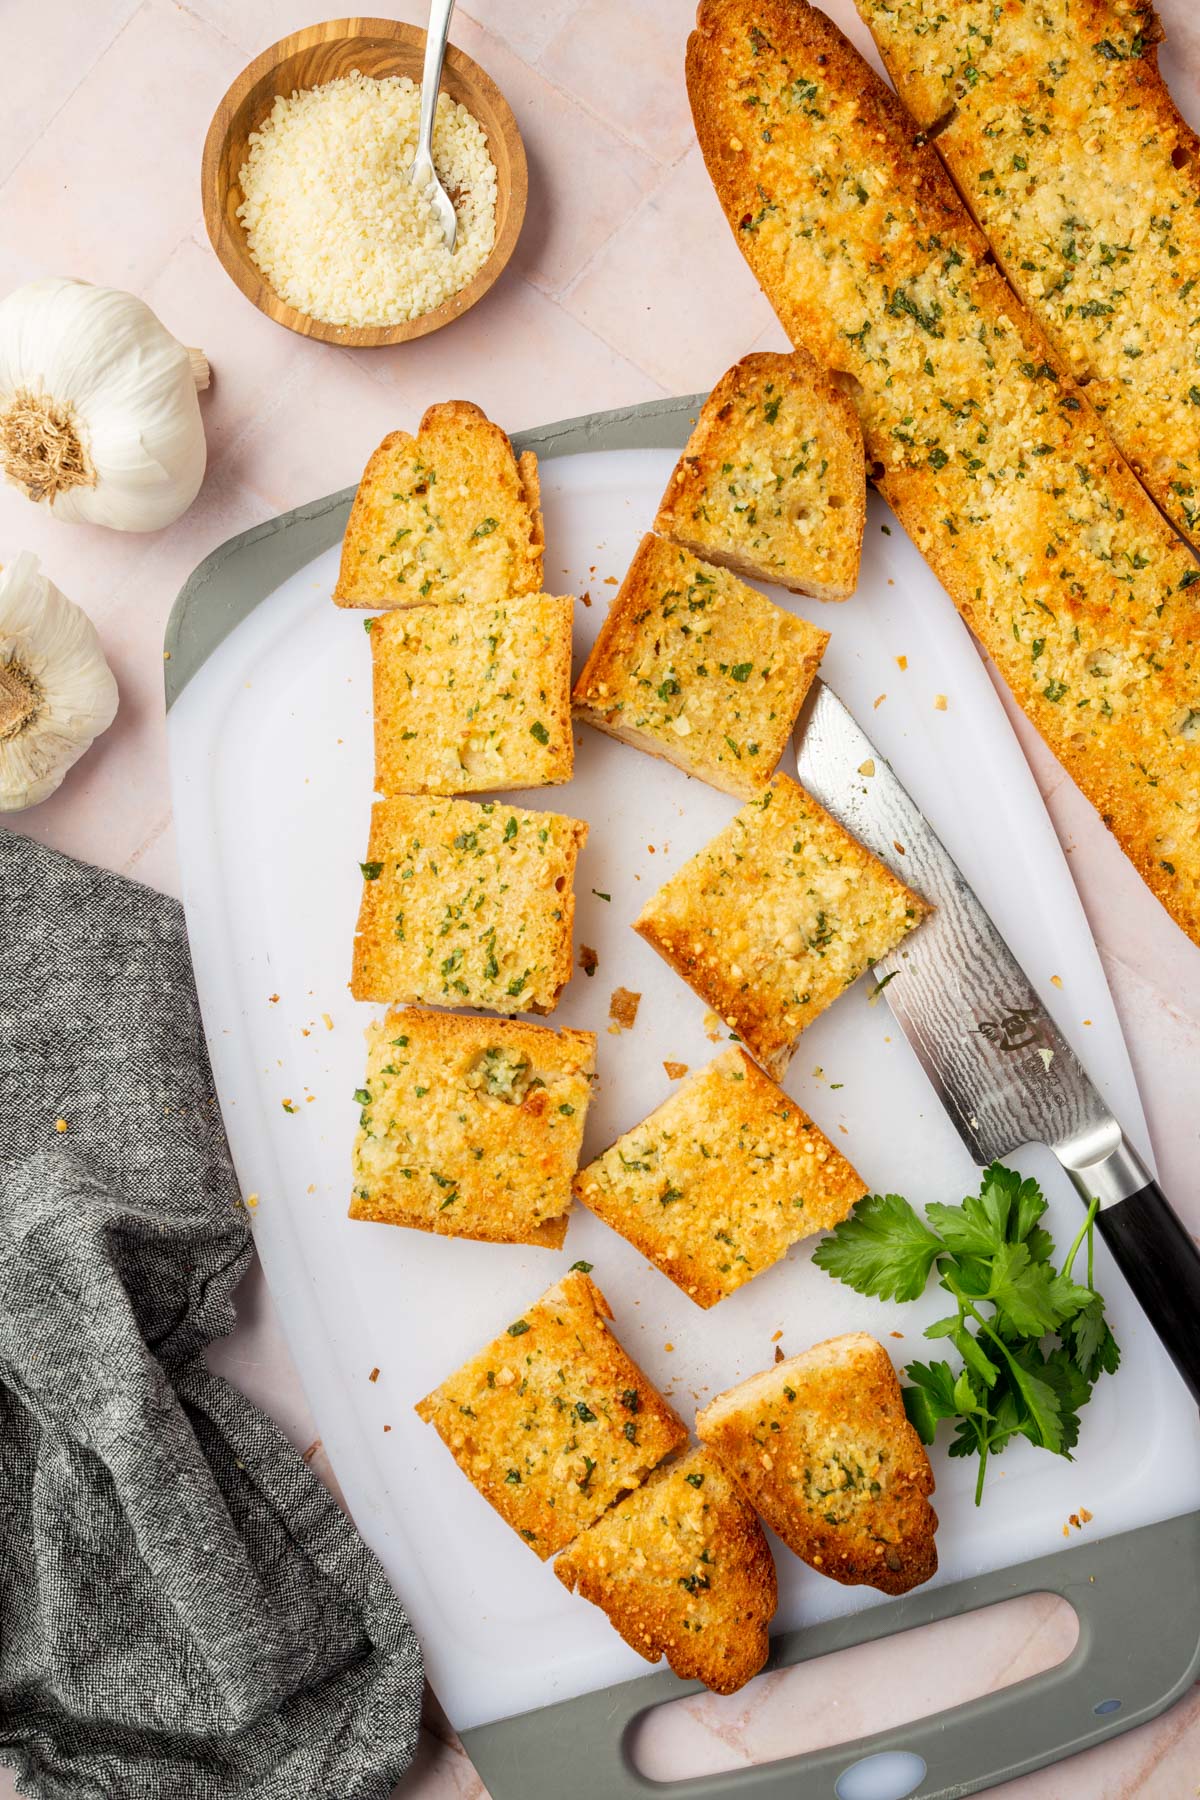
(720,1180)
(996,465)
(693,666)
(472,698)
(823,1448)
(467,902)
(1066,146)
(777,915)
(471,1127)
(553,1421)
(451,514)
(683,1570)
(772,482)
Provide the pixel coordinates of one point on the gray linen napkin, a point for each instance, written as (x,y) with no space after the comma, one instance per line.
(184,1612)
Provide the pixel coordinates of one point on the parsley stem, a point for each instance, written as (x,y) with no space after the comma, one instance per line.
(1085,1230)
(983,1456)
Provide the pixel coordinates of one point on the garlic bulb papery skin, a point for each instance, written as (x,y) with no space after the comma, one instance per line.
(57,693)
(99,418)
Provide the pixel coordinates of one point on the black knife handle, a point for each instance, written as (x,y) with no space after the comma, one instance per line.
(1161,1263)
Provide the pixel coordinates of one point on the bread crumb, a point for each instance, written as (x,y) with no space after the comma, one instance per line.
(327,1021)
(307,1455)
(1056,981)
(623,1007)
(879,702)
(940,703)
(668,1347)
(60,1125)
(272,999)
(252,1201)
(676,1070)
(586,599)
(775,1337)
(779,1356)
(896,1334)
(902,662)
(374,1375)
(868,767)
(387,1428)
(589,962)
(712,1027)
(1085,1515)
(286,1104)
(611,581)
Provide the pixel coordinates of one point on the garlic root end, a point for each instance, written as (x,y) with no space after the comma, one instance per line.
(201,373)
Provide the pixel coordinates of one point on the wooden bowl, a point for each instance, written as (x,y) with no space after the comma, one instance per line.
(306,59)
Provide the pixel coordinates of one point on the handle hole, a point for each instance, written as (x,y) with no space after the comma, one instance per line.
(892,1775)
(1106,1707)
(854,1692)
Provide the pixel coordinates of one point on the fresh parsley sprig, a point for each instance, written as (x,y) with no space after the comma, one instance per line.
(1032,1340)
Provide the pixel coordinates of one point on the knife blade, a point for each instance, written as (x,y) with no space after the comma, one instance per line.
(1001,1068)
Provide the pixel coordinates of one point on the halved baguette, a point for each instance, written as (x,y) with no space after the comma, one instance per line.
(683,1570)
(772,482)
(1065,143)
(995,463)
(824,1451)
(448,515)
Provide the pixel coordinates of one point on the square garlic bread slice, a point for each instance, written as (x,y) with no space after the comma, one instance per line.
(471,1127)
(694,666)
(553,1421)
(824,1451)
(772,481)
(776,916)
(718,1182)
(448,515)
(683,1570)
(473,698)
(467,901)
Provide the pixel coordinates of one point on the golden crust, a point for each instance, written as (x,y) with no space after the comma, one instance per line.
(471,1127)
(772,481)
(1088,187)
(996,464)
(552,1421)
(473,698)
(824,1451)
(720,1180)
(776,916)
(467,902)
(448,515)
(693,666)
(683,1570)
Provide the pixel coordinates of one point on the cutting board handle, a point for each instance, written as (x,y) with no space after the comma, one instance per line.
(1134,1656)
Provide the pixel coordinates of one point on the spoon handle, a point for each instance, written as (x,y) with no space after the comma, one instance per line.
(436,33)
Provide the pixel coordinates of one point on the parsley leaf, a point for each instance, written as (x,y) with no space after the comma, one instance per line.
(882,1249)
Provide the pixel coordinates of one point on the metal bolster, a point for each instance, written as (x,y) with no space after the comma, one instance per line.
(1102,1165)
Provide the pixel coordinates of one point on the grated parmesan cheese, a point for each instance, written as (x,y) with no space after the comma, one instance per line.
(331,218)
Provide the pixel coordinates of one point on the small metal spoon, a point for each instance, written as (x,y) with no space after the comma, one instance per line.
(423,175)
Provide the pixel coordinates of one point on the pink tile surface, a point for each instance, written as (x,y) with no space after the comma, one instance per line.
(625,285)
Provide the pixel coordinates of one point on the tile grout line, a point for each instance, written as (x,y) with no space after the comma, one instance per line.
(8,174)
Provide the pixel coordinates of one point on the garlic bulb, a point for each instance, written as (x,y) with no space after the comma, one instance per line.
(98,409)
(56,691)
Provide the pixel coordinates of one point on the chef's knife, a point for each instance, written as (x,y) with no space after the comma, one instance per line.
(1000,1066)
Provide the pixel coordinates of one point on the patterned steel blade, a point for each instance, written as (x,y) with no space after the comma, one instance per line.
(1003,1071)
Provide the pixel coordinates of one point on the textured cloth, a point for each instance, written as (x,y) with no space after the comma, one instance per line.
(184,1612)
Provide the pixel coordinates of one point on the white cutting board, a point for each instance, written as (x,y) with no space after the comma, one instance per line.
(272,770)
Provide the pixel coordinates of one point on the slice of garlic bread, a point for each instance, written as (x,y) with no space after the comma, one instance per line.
(694,666)
(448,515)
(552,1421)
(466,902)
(824,1451)
(471,1127)
(776,916)
(720,1180)
(473,698)
(772,482)
(683,1570)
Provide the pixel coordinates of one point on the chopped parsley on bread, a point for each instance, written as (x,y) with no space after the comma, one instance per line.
(991,455)
(823,1449)
(772,482)
(683,1570)
(448,515)
(466,902)
(1061,135)
(694,666)
(720,1180)
(552,1422)
(471,1127)
(473,698)
(776,916)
